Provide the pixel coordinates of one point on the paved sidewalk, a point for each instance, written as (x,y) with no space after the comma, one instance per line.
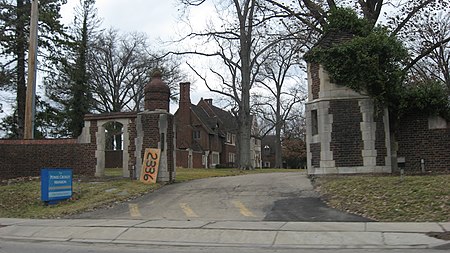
(228,233)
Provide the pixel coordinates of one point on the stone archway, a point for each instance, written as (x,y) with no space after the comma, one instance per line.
(101,138)
(113,145)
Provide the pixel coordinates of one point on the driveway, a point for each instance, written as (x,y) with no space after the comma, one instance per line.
(258,197)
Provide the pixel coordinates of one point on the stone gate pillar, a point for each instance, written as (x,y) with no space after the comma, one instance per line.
(155,128)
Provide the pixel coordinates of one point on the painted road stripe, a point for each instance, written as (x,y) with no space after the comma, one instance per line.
(242,209)
(188,210)
(134,210)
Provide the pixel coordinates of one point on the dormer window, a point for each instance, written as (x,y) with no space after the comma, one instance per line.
(196,134)
(231,138)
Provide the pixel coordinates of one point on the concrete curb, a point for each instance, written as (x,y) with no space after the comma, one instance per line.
(228,233)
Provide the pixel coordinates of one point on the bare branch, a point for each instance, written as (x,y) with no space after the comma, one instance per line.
(426,52)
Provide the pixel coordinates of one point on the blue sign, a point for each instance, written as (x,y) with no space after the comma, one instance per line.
(56,184)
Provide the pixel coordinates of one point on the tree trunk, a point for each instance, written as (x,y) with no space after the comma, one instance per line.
(245,117)
(245,13)
(278,148)
(278,125)
(21,72)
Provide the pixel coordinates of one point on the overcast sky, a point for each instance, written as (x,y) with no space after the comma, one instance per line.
(158,19)
(155,17)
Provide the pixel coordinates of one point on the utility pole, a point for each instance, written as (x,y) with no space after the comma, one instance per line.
(30,107)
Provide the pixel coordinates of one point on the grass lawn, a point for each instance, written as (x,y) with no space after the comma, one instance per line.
(387,198)
(191,174)
(22,199)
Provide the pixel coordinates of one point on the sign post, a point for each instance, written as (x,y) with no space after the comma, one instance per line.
(149,171)
(56,184)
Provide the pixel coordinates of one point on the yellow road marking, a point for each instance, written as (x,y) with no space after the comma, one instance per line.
(188,211)
(242,209)
(134,210)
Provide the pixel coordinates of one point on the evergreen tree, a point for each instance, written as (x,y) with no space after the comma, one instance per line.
(69,85)
(14,32)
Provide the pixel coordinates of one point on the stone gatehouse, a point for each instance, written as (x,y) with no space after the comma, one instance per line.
(345,135)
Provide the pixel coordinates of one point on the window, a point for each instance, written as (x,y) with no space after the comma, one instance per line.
(196,134)
(204,159)
(215,158)
(266,150)
(314,123)
(231,157)
(266,164)
(231,138)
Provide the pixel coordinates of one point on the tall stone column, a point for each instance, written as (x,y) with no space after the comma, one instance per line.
(155,128)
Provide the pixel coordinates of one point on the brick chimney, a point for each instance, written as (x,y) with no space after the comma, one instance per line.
(207,105)
(157,94)
(184,131)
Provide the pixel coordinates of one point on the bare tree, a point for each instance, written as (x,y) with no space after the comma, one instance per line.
(403,18)
(239,44)
(436,65)
(280,80)
(119,68)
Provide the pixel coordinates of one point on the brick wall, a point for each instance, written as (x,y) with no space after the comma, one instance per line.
(150,127)
(197,160)
(113,158)
(170,142)
(182,159)
(132,135)
(380,141)
(315,151)
(416,142)
(22,158)
(157,94)
(183,118)
(346,138)
(151,131)
(225,151)
(315,80)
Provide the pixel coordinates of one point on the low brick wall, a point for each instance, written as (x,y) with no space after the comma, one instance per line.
(113,159)
(23,158)
(182,159)
(416,141)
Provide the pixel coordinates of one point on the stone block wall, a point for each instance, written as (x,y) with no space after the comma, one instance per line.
(23,158)
(349,137)
(418,139)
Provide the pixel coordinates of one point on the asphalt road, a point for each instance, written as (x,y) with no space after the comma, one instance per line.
(270,197)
